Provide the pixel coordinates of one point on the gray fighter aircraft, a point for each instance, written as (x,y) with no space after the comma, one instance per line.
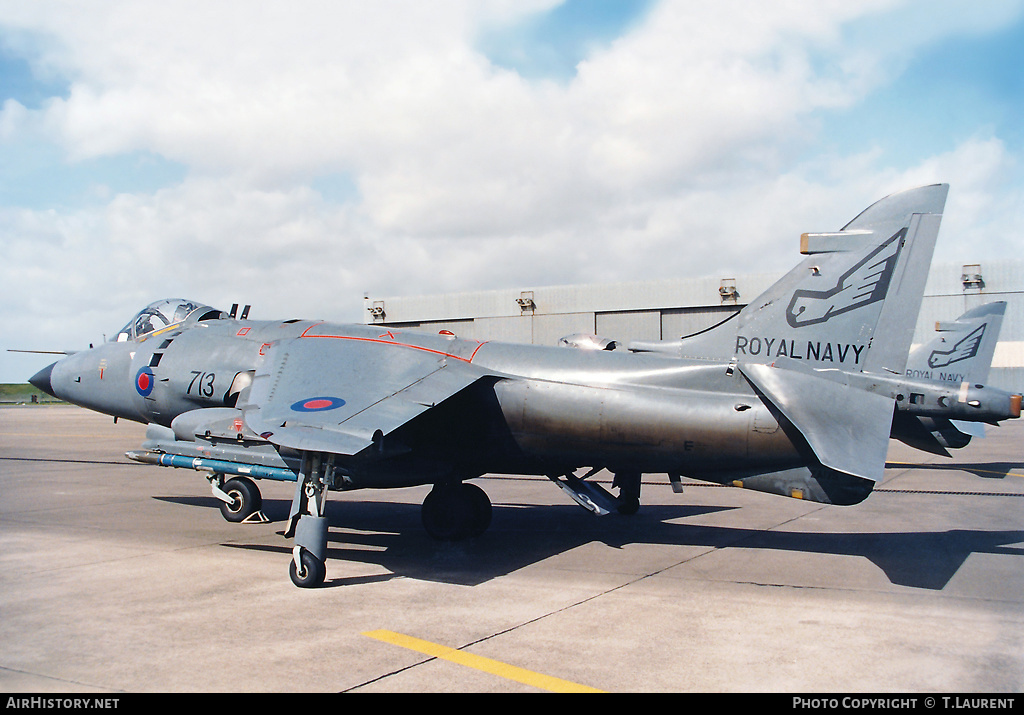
(798,403)
(945,401)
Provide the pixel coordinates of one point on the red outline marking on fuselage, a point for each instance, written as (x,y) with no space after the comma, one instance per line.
(305,334)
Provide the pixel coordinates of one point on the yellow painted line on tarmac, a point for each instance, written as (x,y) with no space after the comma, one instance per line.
(494,667)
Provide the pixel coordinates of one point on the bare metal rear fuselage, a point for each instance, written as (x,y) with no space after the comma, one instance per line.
(632,413)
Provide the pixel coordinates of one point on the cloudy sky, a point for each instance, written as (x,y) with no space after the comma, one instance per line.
(297,155)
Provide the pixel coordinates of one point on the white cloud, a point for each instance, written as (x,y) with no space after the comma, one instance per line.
(985,208)
(685,147)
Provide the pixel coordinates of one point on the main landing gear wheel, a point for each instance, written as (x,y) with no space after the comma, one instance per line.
(456,511)
(246,499)
(310,573)
(629,506)
(629,492)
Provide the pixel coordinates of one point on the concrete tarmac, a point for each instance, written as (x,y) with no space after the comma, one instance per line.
(122,577)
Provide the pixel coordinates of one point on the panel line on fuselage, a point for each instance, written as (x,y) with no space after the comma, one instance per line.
(306,334)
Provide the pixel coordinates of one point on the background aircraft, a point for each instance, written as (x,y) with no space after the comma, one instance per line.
(796,399)
(943,400)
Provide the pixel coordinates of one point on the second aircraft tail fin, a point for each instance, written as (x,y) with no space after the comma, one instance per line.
(963,349)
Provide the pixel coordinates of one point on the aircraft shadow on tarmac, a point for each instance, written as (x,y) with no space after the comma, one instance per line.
(390,535)
(984,470)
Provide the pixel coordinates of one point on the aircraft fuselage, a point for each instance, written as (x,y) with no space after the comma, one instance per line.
(553,408)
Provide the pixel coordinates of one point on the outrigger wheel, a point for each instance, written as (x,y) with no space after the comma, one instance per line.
(311,571)
(452,512)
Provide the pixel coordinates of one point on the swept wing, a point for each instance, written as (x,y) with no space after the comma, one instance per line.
(339,393)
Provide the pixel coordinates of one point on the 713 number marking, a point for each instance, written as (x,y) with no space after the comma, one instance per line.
(202,384)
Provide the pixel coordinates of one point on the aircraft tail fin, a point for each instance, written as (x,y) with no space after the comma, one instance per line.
(963,349)
(849,308)
(959,355)
(852,304)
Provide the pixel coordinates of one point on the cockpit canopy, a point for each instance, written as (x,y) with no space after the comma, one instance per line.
(164,314)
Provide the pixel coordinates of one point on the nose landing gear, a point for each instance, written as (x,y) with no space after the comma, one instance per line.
(241,501)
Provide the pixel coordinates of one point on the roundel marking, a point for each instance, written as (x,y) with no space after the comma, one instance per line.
(318,404)
(144,381)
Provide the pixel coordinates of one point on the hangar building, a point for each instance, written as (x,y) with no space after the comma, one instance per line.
(668,309)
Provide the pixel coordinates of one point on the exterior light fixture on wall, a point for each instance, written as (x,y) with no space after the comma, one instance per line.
(525,301)
(728,291)
(971,277)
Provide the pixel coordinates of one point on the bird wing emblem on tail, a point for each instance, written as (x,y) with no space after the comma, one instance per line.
(963,350)
(865,283)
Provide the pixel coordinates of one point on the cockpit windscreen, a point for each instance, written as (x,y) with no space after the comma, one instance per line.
(161,315)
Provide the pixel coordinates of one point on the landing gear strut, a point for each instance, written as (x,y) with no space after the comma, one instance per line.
(452,512)
(307,522)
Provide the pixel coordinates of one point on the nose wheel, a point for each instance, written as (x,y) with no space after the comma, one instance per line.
(240,499)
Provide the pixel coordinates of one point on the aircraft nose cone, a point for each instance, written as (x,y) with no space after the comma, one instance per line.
(41,380)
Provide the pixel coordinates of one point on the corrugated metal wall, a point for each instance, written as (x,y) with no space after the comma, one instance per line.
(662,310)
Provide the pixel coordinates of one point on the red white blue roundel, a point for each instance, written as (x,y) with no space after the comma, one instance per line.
(318,404)
(144,381)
